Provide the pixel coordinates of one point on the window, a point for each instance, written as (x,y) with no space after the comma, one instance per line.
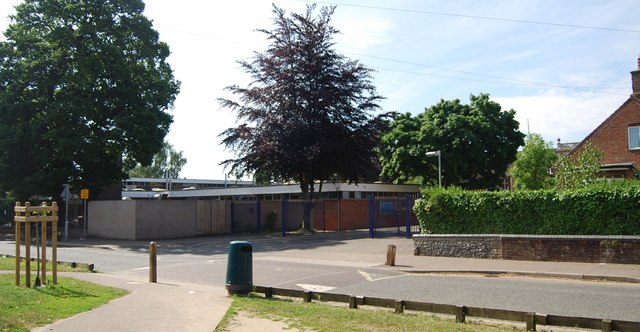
(634,138)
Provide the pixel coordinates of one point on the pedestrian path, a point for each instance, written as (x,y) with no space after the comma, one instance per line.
(148,307)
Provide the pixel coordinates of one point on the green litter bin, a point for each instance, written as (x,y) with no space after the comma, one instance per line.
(239,268)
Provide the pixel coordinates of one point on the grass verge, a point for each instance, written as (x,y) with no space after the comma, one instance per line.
(324,317)
(9,263)
(23,308)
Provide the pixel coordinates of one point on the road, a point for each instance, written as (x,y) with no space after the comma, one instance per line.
(347,266)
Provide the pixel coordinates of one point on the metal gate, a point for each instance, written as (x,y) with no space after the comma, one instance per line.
(392,217)
(293,215)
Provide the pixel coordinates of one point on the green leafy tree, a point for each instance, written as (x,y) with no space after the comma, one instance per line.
(579,169)
(400,152)
(477,142)
(531,168)
(166,163)
(84,94)
(306,115)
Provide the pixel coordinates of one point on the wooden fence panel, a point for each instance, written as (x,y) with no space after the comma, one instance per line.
(204,217)
(212,217)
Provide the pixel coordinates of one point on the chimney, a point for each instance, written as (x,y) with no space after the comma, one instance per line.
(635,81)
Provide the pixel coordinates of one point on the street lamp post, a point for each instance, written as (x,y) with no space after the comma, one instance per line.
(439,155)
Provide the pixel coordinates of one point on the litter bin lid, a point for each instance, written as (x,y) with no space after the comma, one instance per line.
(237,243)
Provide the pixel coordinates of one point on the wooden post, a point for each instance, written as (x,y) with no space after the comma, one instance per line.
(153,272)
(353,303)
(307,296)
(391,255)
(54,247)
(606,325)
(25,215)
(531,321)
(43,250)
(17,246)
(27,246)
(399,307)
(461,313)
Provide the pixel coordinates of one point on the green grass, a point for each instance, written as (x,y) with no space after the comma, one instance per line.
(324,317)
(23,308)
(9,263)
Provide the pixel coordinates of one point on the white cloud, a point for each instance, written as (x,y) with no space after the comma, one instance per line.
(554,115)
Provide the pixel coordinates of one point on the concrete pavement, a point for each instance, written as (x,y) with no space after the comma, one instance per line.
(192,307)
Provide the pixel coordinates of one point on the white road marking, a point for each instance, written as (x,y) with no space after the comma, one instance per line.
(376,277)
(315,288)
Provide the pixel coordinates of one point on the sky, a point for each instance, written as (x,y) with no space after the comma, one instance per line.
(563,66)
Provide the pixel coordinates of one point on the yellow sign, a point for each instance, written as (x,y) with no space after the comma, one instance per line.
(84,193)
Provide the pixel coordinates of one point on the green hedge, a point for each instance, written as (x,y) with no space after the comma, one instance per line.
(601,210)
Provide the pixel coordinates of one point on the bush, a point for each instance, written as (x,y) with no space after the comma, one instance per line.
(600,209)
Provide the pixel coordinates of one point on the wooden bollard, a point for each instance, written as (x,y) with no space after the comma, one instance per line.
(153,263)
(531,321)
(391,255)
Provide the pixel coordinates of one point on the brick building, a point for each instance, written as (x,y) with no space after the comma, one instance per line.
(619,136)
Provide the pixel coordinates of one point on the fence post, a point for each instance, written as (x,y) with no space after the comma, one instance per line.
(17,225)
(43,249)
(606,325)
(461,313)
(285,213)
(372,217)
(407,215)
(307,296)
(153,271)
(399,306)
(531,321)
(27,247)
(258,216)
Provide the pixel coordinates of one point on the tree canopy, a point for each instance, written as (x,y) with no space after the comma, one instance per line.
(477,142)
(531,168)
(166,163)
(579,169)
(306,116)
(84,94)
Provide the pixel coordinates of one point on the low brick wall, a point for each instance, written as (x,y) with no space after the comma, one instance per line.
(559,248)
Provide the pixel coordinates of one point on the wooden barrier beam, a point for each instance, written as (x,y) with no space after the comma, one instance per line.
(531,319)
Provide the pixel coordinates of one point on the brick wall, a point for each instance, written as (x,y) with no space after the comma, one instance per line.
(559,248)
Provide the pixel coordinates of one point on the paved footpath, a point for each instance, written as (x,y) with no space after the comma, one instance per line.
(149,307)
(175,306)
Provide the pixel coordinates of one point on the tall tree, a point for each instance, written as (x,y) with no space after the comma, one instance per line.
(166,163)
(531,168)
(579,169)
(477,142)
(84,94)
(306,115)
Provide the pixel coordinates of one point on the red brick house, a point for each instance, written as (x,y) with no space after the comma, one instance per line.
(619,136)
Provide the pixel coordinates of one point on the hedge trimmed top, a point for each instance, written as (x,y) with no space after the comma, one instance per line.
(597,210)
